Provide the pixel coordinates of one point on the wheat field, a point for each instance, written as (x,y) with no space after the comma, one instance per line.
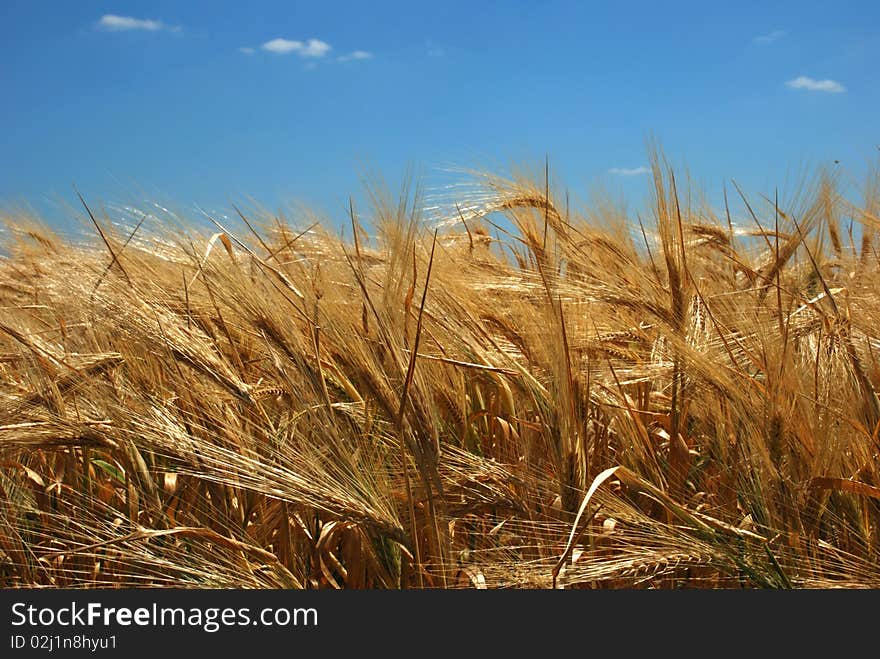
(562,398)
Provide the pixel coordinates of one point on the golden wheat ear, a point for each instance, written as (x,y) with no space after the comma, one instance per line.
(521,392)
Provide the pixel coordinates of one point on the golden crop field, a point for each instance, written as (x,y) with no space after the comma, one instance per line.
(570,398)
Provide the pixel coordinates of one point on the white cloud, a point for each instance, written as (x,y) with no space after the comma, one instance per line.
(114,23)
(626,171)
(356,55)
(315,48)
(810,84)
(282,46)
(246,50)
(770,37)
(310,48)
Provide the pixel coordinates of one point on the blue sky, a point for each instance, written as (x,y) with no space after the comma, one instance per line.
(210,102)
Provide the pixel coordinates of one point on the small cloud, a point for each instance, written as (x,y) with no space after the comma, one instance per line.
(315,48)
(770,37)
(805,82)
(282,46)
(626,171)
(246,50)
(114,23)
(356,55)
(310,48)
